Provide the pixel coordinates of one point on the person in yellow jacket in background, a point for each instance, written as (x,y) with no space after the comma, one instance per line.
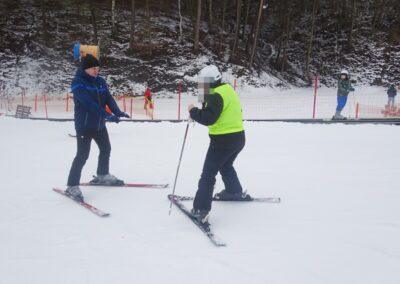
(222,112)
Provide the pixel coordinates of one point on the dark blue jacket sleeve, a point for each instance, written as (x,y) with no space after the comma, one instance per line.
(210,113)
(83,98)
(112,104)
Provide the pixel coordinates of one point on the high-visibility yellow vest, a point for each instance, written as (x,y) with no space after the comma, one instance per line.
(231,118)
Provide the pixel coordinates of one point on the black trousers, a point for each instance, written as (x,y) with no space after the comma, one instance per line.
(221,154)
(83,149)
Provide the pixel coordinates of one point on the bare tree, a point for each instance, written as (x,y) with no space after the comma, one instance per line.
(94,23)
(180,21)
(45,30)
(210,17)
(223,15)
(379,7)
(131,41)
(353,16)
(286,38)
(238,11)
(197,27)
(113,27)
(147,9)
(253,50)
(246,17)
(310,43)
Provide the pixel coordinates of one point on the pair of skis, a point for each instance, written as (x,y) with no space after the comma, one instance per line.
(177,201)
(98,211)
(206,227)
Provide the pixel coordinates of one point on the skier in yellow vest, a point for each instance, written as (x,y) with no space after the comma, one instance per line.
(222,113)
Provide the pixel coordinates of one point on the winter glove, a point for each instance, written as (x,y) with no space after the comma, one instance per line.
(112,118)
(124,114)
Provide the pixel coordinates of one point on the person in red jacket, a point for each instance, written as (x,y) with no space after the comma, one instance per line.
(148,101)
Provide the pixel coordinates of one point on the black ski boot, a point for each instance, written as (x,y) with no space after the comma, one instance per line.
(108,179)
(74,192)
(225,195)
(200,215)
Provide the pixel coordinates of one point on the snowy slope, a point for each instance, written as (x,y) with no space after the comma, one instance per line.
(338,222)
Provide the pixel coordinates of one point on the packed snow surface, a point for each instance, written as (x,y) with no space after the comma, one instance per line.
(339,220)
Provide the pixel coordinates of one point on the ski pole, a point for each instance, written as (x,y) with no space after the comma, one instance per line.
(179,164)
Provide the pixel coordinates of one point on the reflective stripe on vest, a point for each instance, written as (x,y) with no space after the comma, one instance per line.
(231,119)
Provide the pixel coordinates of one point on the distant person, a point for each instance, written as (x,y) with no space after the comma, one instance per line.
(148,99)
(344,88)
(392,93)
(91,96)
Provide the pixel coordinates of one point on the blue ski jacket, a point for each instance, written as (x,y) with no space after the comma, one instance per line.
(91,95)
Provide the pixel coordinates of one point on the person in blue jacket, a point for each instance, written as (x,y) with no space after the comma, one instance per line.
(91,95)
(344,88)
(392,93)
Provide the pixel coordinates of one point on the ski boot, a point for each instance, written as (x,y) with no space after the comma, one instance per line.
(200,215)
(107,179)
(74,192)
(225,195)
(338,116)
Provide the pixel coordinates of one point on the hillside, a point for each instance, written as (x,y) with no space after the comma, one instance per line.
(37,38)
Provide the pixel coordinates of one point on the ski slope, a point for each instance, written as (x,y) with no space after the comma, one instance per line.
(339,220)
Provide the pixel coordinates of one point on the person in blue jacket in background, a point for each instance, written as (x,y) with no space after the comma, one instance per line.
(344,88)
(91,95)
(392,93)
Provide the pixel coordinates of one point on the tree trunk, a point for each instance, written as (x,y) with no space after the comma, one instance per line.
(238,11)
(249,38)
(210,18)
(246,18)
(353,16)
(310,43)
(113,28)
(223,15)
(94,23)
(147,9)
(197,27)
(253,51)
(285,43)
(44,21)
(131,42)
(180,21)
(378,14)
(78,10)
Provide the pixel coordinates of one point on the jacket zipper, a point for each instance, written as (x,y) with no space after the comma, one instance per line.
(86,118)
(98,98)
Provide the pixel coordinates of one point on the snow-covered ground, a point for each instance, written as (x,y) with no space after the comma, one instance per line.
(339,220)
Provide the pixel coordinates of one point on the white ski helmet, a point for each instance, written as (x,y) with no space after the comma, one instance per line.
(344,72)
(209,73)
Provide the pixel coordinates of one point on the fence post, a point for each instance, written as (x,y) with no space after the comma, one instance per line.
(124,103)
(45,104)
(234,84)
(315,95)
(131,107)
(357,110)
(67,101)
(152,111)
(36,102)
(22,96)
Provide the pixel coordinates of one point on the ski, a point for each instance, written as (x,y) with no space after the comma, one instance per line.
(144,185)
(205,228)
(254,199)
(91,208)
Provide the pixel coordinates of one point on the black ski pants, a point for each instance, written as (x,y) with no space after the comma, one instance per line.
(83,149)
(221,154)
